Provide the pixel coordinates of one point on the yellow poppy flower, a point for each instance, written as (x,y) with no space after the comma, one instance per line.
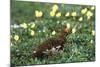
(16,37)
(89,13)
(58,14)
(88,17)
(55,8)
(92,8)
(52,13)
(83,11)
(23,25)
(81,19)
(74,14)
(93,32)
(91,41)
(38,13)
(33,25)
(73,30)
(67,14)
(32,33)
(53,33)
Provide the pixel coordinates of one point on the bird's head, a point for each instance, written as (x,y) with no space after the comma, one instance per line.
(67,29)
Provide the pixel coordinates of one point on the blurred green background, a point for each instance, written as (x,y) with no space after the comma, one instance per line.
(34,22)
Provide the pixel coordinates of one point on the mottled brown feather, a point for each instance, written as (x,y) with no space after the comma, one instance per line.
(52,43)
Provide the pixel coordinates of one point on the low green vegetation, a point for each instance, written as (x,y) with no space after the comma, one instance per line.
(32,23)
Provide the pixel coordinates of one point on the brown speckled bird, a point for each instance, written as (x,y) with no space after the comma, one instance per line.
(52,45)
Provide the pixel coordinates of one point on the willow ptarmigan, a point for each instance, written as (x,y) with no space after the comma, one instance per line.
(52,45)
